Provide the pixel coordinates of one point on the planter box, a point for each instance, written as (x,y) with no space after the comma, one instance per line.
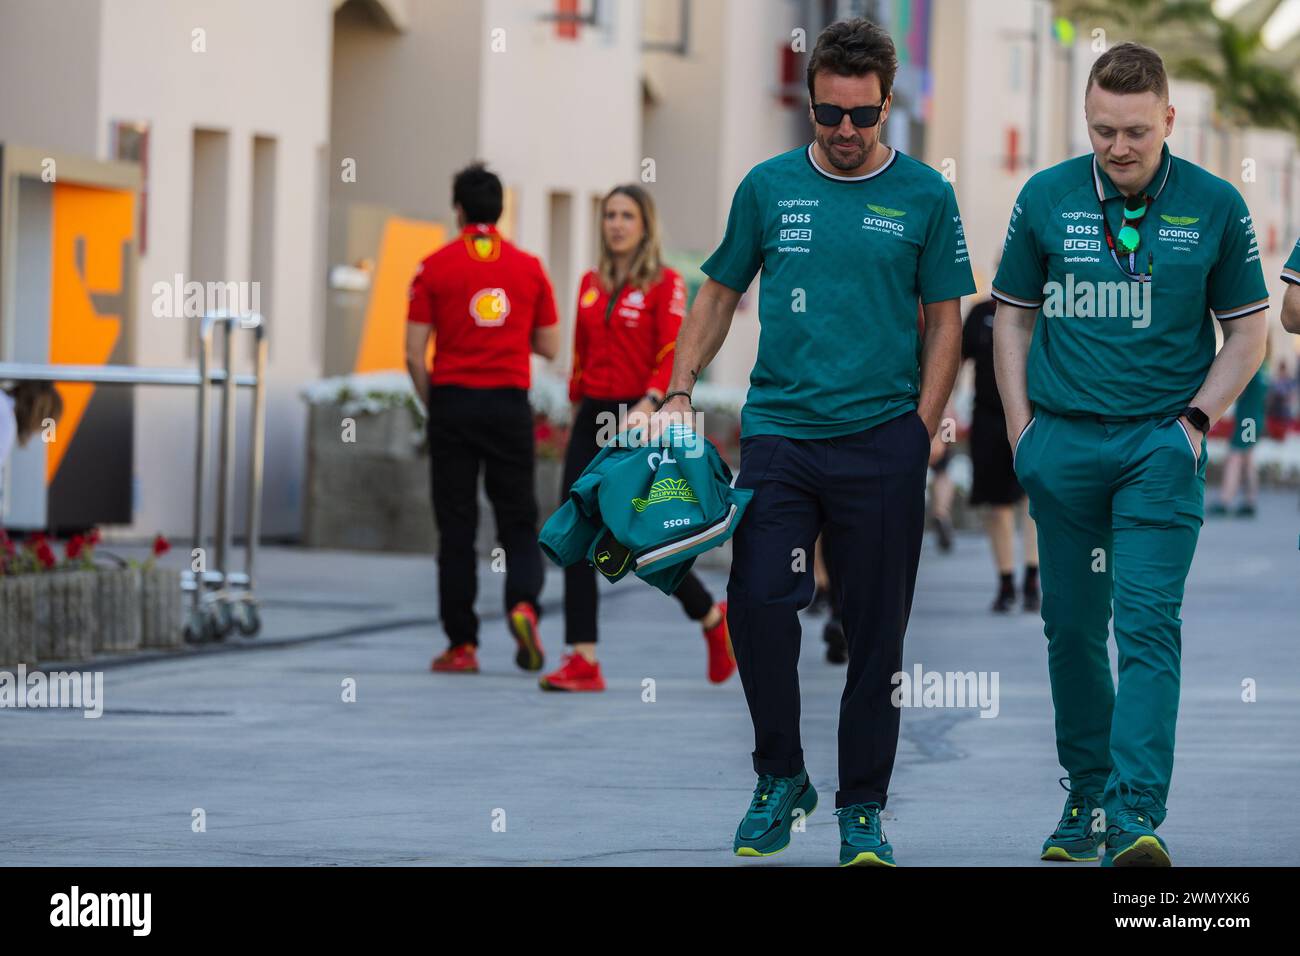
(117,610)
(18,620)
(65,615)
(160,608)
(371,494)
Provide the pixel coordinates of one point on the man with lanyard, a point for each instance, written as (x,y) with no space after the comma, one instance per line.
(488,305)
(1114,267)
(1291,300)
(849,235)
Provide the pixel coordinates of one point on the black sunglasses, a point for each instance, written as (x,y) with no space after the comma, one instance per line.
(863,117)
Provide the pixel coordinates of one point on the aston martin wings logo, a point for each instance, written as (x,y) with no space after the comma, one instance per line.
(1181,220)
(666,489)
(886,211)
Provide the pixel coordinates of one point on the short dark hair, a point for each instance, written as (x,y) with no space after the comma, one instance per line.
(1130,68)
(854,48)
(478,192)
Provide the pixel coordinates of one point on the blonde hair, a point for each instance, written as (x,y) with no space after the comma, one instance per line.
(647,265)
(34,402)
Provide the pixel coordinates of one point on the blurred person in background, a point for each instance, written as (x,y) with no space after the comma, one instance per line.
(942,489)
(993,481)
(837,647)
(488,305)
(25,409)
(1240,471)
(629,310)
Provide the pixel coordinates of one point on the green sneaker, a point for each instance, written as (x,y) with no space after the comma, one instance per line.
(766,827)
(1074,840)
(1131,841)
(862,842)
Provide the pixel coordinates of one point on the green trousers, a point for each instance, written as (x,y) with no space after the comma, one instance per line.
(1119,505)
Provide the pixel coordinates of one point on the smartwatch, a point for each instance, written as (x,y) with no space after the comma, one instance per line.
(1198,418)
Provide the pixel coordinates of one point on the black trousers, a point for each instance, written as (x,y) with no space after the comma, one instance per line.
(580,596)
(866,494)
(491,429)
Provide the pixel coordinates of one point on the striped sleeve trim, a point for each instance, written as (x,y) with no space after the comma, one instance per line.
(1014,300)
(1224,315)
(1291,275)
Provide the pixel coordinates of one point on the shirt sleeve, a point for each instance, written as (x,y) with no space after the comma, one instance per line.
(420,309)
(669,311)
(1291,271)
(737,260)
(1023,269)
(544,312)
(1236,285)
(943,268)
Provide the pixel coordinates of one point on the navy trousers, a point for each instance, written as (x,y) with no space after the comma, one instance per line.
(866,493)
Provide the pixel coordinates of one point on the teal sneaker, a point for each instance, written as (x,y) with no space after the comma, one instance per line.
(862,842)
(1131,841)
(766,827)
(1075,840)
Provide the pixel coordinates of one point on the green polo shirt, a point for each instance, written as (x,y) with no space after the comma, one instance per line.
(1103,344)
(844,262)
(1291,271)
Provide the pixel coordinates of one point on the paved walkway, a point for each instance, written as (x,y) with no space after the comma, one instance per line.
(420,766)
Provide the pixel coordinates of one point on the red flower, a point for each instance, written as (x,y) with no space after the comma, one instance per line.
(92,538)
(45,555)
(160,546)
(74,548)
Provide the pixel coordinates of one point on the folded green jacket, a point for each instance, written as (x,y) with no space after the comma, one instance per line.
(647,510)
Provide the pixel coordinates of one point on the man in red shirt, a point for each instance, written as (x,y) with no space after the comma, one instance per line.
(488,305)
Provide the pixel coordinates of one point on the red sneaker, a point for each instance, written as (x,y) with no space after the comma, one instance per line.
(523,627)
(457,659)
(722,660)
(575,674)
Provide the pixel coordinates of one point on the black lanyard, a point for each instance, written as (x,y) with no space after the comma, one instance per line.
(1131,270)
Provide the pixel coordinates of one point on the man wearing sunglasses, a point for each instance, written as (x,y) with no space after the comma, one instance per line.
(849,235)
(1107,411)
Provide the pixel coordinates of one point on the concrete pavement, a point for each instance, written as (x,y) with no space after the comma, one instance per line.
(452,769)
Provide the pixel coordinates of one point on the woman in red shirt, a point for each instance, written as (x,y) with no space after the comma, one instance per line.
(629,309)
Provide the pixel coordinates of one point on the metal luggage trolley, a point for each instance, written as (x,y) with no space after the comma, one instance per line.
(222,600)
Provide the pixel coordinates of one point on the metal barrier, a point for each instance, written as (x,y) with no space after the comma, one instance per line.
(221,600)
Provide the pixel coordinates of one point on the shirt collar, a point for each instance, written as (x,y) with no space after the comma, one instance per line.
(1107,190)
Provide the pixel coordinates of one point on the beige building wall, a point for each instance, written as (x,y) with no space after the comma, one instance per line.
(49,54)
(242,68)
(715,114)
(561,143)
(405,105)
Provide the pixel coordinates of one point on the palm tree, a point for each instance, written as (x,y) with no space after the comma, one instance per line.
(1248,90)
(1168,24)
(1250,86)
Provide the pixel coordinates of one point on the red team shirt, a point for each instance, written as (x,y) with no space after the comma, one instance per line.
(629,352)
(483,296)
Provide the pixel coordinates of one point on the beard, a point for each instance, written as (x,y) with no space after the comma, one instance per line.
(850,161)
